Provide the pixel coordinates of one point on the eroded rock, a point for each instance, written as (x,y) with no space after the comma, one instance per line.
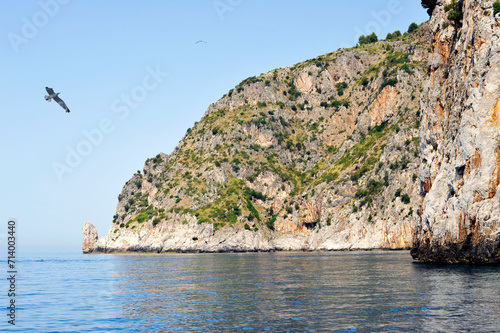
(90,237)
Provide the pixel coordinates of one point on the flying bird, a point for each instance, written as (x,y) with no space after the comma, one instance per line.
(55,96)
(201,41)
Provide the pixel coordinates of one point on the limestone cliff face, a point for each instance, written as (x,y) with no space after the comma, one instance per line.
(320,155)
(459,213)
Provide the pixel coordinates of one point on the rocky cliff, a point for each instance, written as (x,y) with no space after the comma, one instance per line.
(459,213)
(322,155)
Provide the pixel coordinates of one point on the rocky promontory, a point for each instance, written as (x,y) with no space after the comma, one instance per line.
(392,144)
(321,155)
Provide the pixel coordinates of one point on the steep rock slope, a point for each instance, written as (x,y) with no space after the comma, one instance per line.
(319,155)
(459,214)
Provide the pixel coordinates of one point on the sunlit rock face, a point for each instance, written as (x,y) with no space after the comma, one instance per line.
(459,214)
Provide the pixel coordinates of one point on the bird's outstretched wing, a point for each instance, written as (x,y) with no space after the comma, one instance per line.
(50,90)
(201,41)
(61,103)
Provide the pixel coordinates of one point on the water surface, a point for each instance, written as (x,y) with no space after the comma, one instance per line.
(276,292)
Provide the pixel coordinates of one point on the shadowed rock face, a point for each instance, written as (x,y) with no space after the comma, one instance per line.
(90,237)
(459,214)
(321,155)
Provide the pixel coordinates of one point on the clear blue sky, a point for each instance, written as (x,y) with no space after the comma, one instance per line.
(98,52)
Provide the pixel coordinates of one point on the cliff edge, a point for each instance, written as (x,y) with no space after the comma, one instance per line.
(459,212)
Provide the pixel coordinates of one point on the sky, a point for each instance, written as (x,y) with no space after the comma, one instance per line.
(135,79)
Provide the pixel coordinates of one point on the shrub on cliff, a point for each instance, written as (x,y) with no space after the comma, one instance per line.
(454,11)
(340,87)
(405,198)
(395,34)
(496,8)
(270,223)
(389,82)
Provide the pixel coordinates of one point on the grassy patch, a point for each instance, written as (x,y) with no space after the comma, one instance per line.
(143,215)
(270,223)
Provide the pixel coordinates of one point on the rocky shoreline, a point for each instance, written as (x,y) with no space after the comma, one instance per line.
(387,145)
(203,238)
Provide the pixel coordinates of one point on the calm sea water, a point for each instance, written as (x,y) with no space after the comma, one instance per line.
(275,292)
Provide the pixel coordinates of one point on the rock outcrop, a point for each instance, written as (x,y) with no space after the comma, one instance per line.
(322,155)
(459,214)
(90,237)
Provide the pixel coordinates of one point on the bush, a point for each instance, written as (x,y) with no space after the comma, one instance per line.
(407,69)
(374,186)
(250,193)
(395,34)
(389,82)
(372,38)
(293,92)
(405,198)
(496,8)
(338,103)
(340,87)
(270,223)
(454,11)
(412,27)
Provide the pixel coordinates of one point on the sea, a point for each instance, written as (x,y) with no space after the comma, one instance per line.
(365,291)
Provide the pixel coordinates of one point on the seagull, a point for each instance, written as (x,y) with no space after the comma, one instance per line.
(55,96)
(200,41)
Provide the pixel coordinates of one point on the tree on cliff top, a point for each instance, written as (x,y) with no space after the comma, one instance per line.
(372,38)
(430,5)
(413,27)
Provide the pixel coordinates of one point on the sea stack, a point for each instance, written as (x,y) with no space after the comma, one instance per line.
(90,237)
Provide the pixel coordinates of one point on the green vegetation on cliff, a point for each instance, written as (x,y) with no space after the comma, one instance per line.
(294,148)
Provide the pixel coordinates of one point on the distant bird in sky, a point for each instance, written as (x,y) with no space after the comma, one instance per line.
(55,96)
(201,41)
